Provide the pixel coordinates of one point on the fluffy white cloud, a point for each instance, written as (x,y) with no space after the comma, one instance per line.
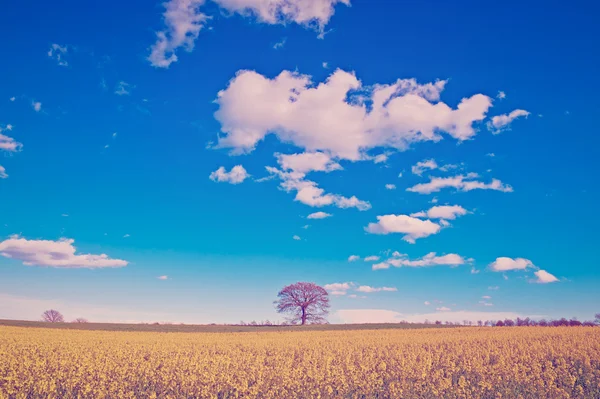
(59,253)
(163,277)
(236,175)
(411,227)
(443,309)
(183,22)
(503,264)
(368,289)
(307,162)
(8,143)
(422,166)
(338,289)
(431,259)
(501,95)
(57,53)
(390,186)
(459,182)
(449,212)
(3,174)
(319,215)
(296,238)
(372,258)
(353,258)
(309,193)
(500,123)
(302,12)
(328,117)
(36,105)
(543,277)
(357,316)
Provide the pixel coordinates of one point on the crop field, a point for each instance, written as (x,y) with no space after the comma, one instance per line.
(520,362)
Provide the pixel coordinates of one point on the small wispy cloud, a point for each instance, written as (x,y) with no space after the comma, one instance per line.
(36,105)
(57,53)
(163,277)
(280,44)
(123,88)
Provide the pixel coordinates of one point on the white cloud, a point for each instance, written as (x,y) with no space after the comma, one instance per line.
(422,166)
(353,258)
(310,194)
(543,277)
(429,260)
(236,175)
(390,186)
(319,215)
(484,303)
(183,22)
(443,309)
(493,288)
(12,99)
(357,316)
(503,264)
(490,154)
(297,238)
(3,174)
(315,13)
(338,289)
(474,270)
(368,289)
(449,212)
(280,44)
(501,95)
(123,89)
(59,254)
(486,297)
(163,277)
(459,182)
(321,118)
(411,227)
(8,143)
(381,158)
(307,162)
(325,65)
(427,303)
(126,236)
(500,123)
(372,258)
(57,53)
(36,105)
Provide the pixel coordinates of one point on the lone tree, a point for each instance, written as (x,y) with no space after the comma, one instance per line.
(80,320)
(52,316)
(304,303)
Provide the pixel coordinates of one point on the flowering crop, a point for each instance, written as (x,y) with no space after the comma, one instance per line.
(528,362)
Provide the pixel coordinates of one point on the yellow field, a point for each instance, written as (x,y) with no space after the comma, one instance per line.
(524,362)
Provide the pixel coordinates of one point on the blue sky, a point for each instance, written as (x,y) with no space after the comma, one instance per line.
(464,130)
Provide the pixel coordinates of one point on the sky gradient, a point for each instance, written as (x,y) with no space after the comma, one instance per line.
(184,161)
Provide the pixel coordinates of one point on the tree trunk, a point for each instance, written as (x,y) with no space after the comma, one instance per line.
(303,316)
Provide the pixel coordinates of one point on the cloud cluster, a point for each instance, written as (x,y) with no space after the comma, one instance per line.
(57,53)
(422,166)
(340,289)
(500,123)
(8,143)
(3,174)
(503,264)
(309,193)
(429,260)
(466,182)
(59,254)
(340,116)
(236,175)
(184,20)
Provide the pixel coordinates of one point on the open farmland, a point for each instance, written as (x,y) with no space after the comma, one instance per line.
(528,362)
